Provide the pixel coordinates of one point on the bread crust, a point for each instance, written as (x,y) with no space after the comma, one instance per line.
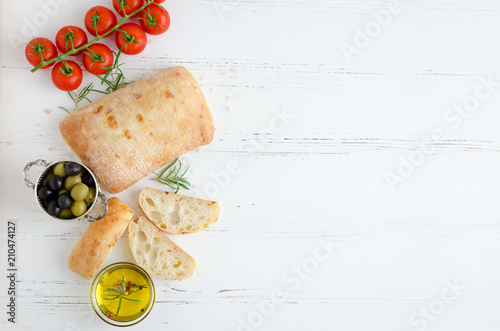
(139,128)
(100,237)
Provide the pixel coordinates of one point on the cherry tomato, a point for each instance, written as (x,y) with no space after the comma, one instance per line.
(159,1)
(71,37)
(99,20)
(67,75)
(154,19)
(131,38)
(125,7)
(38,48)
(96,58)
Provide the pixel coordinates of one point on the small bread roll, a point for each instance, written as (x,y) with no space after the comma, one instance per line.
(100,237)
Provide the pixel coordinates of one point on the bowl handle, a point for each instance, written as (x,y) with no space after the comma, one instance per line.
(27,168)
(104,210)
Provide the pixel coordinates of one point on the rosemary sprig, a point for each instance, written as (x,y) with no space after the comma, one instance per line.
(82,95)
(121,292)
(114,77)
(172,178)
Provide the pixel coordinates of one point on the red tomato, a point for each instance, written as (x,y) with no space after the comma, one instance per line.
(99,20)
(154,19)
(39,48)
(125,7)
(71,37)
(159,1)
(67,75)
(131,38)
(96,58)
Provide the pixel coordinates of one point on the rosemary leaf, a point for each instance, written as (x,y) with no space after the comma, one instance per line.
(119,306)
(172,179)
(130,299)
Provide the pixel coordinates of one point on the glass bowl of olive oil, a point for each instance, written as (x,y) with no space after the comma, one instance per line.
(122,294)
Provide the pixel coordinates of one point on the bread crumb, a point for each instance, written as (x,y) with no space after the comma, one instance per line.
(235,70)
(229,97)
(238,95)
(9,143)
(51,148)
(230,109)
(47,111)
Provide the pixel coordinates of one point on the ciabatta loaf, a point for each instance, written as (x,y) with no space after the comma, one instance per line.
(126,135)
(157,254)
(175,213)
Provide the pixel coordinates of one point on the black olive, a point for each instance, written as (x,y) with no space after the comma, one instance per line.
(72,168)
(45,192)
(87,179)
(53,208)
(64,200)
(56,183)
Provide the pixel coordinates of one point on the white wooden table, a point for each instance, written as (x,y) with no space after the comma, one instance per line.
(356,160)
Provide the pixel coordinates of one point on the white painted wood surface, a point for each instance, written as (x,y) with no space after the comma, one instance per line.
(311,235)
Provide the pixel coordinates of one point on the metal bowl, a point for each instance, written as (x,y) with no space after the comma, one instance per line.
(48,167)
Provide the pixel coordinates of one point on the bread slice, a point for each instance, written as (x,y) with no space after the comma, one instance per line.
(156,253)
(175,213)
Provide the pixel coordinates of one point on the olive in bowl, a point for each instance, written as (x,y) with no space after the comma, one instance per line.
(66,190)
(62,193)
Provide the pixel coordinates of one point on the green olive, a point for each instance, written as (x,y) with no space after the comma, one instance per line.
(71,181)
(59,169)
(66,213)
(79,192)
(91,196)
(78,208)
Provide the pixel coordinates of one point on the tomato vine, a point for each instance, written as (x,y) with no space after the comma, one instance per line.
(44,63)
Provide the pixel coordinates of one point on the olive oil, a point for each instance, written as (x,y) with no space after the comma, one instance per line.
(123,294)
